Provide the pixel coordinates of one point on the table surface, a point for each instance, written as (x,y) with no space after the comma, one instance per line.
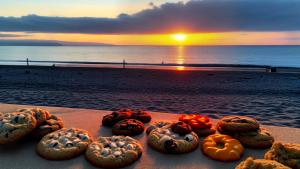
(23,156)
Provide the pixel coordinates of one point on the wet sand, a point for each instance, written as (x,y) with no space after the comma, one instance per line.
(272,98)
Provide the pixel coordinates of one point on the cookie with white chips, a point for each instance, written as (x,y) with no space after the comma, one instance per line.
(64,144)
(167,141)
(157,124)
(40,115)
(114,152)
(14,126)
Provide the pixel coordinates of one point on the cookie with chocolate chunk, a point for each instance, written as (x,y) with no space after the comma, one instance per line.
(14,126)
(157,124)
(40,115)
(52,124)
(233,124)
(114,152)
(116,116)
(128,127)
(181,128)
(141,115)
(64,144)
(167,141)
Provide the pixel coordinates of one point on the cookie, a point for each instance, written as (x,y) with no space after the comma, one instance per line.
(40,115)
(196,121)
(181,128)
(238,124)
(285,153)
(158,124)
(52,124)
(204,132)
(222,147)
(141,115)
(200,124)
(116,116)
(250,163)
(257,139)
(114,152)
(167,141)
(128,127)
(64,144)
(14,126)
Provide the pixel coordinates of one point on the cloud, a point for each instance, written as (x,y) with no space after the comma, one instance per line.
(3,35)
(192,16)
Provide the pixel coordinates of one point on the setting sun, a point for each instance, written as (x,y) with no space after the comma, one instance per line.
(179,37)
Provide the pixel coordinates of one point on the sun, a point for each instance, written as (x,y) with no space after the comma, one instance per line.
(179,37)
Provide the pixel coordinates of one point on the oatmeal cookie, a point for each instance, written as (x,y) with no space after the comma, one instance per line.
(250,163)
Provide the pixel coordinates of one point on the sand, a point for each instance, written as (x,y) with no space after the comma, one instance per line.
(272,98)
(23,156)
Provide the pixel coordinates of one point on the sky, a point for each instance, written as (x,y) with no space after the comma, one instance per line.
(146,22)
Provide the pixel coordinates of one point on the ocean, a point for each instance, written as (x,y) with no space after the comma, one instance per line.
(287,56)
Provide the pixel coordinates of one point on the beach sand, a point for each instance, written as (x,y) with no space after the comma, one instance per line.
(272,98)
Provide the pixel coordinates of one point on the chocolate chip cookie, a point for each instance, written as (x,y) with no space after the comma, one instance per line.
(52,124)
(14,126)
(64,144)
(256,139)
(128,127)
(158,124)
(232,124)
(141,115)
(116,116)
(167,141)
(40,115)
(181,128)
(114,152)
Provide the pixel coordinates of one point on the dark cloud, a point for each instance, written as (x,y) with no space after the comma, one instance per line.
(193,16)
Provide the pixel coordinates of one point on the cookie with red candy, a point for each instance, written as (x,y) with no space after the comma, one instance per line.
(199,123)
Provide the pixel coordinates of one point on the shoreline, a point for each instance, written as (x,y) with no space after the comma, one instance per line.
(272,98)
(204,67)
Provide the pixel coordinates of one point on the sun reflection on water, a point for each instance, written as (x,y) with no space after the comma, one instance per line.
(180,58)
